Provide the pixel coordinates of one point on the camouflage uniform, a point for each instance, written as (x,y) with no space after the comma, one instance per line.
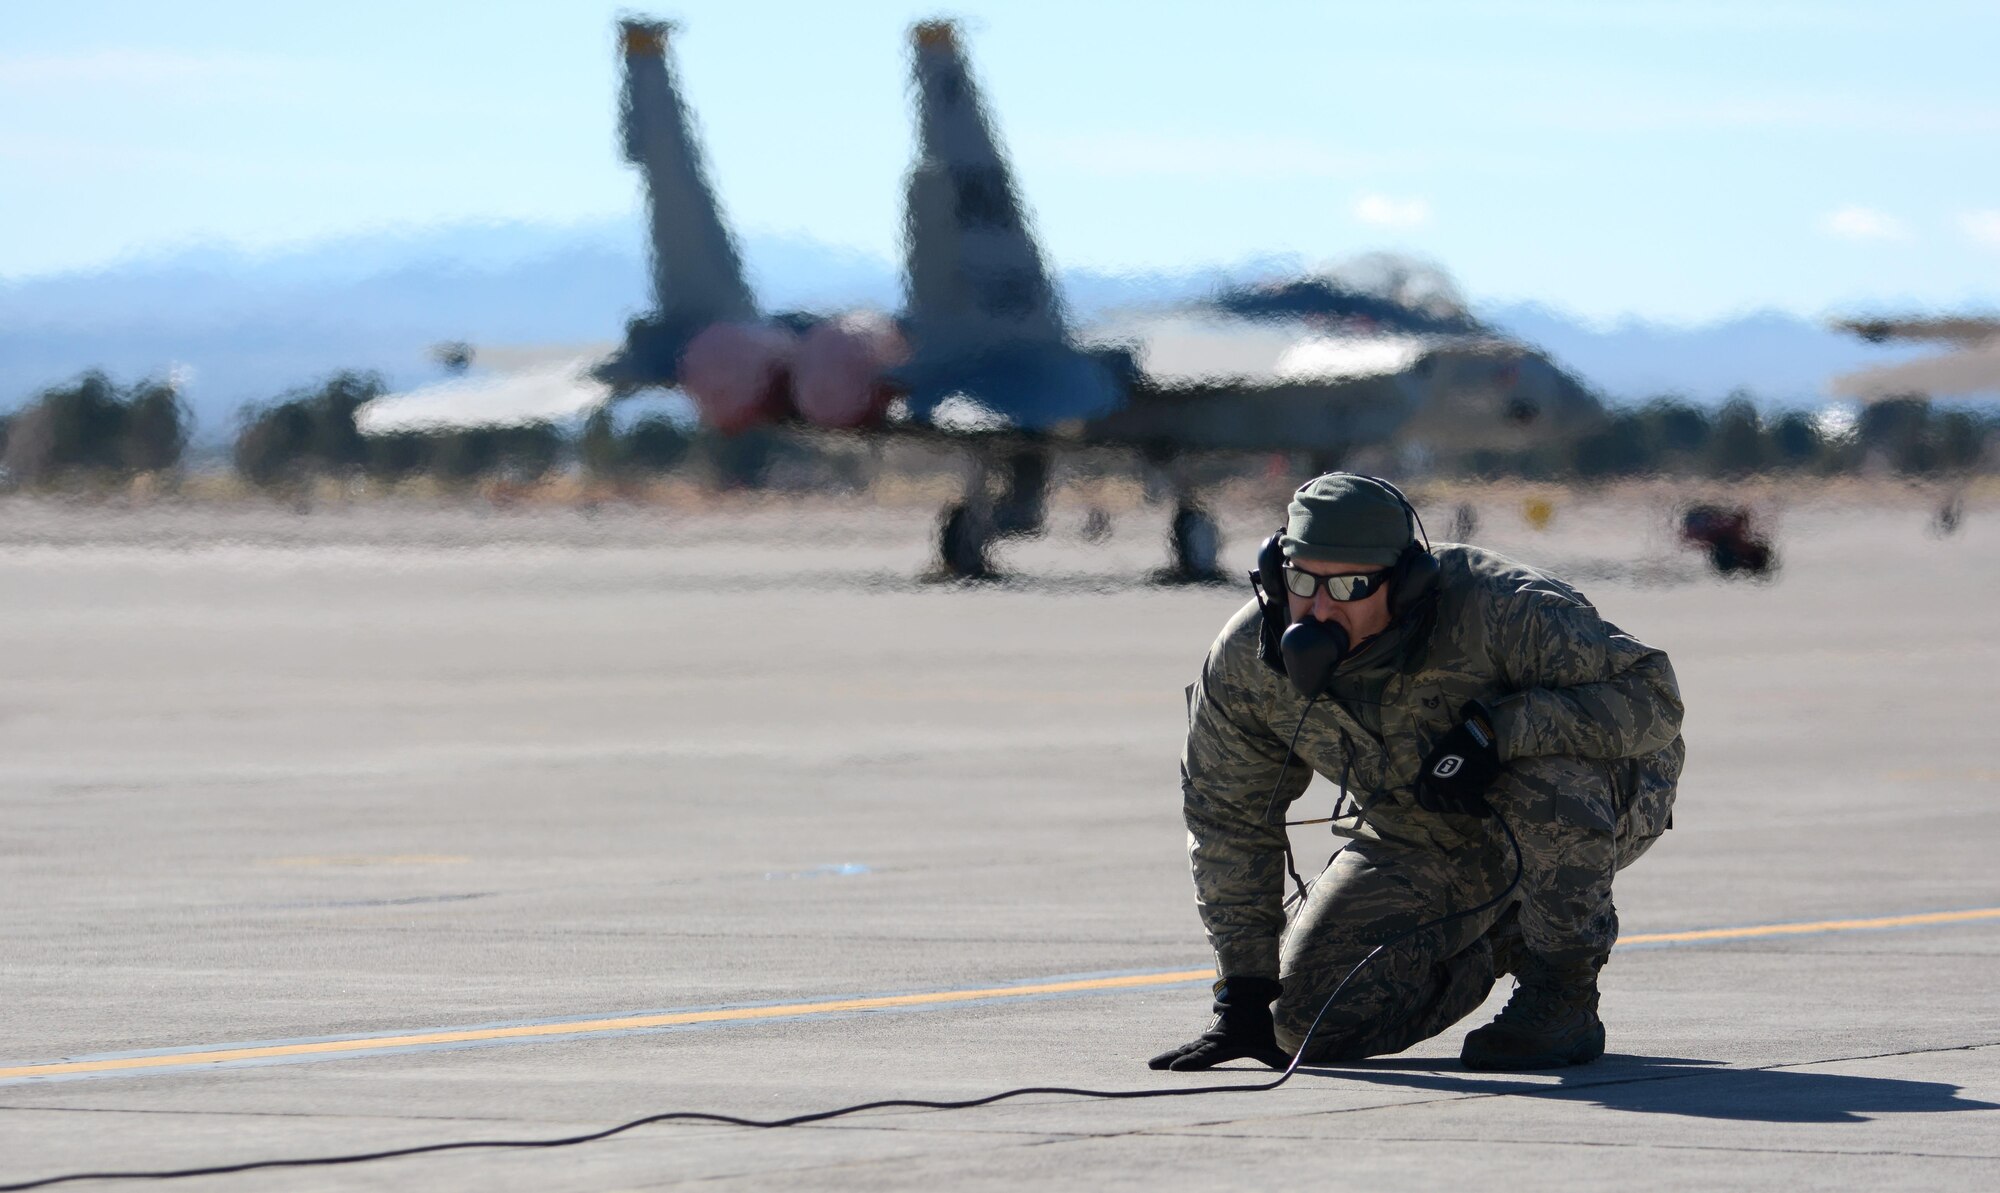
(1589,725)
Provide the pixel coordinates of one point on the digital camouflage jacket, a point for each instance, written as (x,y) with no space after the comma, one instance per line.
(1560,679)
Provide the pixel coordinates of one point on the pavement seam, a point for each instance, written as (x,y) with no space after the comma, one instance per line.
(1582,1086)
(1050,1139)
(1596,1143)
(1184,1133)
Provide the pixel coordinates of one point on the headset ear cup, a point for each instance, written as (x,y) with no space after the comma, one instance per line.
(1270,569)
(1412,575)
(1269,581)
(1414,567)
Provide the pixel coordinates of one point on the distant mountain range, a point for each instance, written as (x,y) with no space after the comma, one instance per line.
(242,328)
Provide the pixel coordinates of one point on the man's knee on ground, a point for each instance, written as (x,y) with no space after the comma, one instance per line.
(1290,1016)
(1296,1011)
(1325,1046)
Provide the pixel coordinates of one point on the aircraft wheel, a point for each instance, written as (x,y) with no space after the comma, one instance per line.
(1464,523)
(1097,524)
(1197,544)
(962,539)
(1945,523)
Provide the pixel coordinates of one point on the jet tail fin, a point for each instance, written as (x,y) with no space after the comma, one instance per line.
(982,312)
(697,270)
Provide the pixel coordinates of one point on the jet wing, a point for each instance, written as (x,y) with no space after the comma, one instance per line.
(1974,372)
(1182,349)
(1210,379)
(524,387)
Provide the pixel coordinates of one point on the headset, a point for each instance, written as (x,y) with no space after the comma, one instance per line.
(1307,652)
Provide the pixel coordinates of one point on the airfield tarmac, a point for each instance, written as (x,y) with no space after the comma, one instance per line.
(392,825)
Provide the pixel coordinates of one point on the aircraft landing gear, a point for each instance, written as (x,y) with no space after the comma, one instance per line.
(1945,522)
(966,530)
(1194,541)
(964,533)
(1097,524)
(1197,547)
(1023,509)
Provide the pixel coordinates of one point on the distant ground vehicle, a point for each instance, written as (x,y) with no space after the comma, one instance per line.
(1726,533)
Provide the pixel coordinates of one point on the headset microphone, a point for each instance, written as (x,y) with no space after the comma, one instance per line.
(1312,650)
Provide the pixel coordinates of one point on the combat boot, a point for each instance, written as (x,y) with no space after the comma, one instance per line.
(1551,1020)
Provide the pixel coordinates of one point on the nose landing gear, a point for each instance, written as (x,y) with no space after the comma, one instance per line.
(966,529)
(1196,543)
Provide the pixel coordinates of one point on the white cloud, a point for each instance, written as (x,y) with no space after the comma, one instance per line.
(1863,223)
(1982,226)
(1385,212)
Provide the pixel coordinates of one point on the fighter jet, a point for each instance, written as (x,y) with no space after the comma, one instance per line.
(985,355)
(1972,368)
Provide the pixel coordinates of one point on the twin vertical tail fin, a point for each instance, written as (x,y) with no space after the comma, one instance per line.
(982,316)
(697,269)
(973,266)
(982,312)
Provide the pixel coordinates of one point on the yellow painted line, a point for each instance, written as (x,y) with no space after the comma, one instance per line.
(578,1027)
(586,1026)
(1893,921)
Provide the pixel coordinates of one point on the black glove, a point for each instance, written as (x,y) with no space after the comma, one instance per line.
(1462,765)
(1242,1028)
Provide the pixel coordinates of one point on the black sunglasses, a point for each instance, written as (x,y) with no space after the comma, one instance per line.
(1305,585)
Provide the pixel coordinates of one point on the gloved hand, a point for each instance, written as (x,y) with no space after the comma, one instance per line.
(1462,766)
(1242,1028)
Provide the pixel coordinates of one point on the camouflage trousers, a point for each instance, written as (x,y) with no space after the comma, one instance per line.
(1579,821)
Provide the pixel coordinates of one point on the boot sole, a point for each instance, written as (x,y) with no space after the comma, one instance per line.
(1589,1050)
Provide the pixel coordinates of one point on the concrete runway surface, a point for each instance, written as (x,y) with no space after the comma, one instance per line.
(387,825)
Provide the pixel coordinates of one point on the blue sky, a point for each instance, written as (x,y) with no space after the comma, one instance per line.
(1679,161)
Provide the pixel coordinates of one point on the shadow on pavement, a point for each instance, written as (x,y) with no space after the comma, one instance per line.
(1678,1085)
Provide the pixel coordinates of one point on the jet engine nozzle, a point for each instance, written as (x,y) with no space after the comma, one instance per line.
(840,376)
(738,373)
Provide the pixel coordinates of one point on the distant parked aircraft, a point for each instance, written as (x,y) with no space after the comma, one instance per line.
(984,355)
